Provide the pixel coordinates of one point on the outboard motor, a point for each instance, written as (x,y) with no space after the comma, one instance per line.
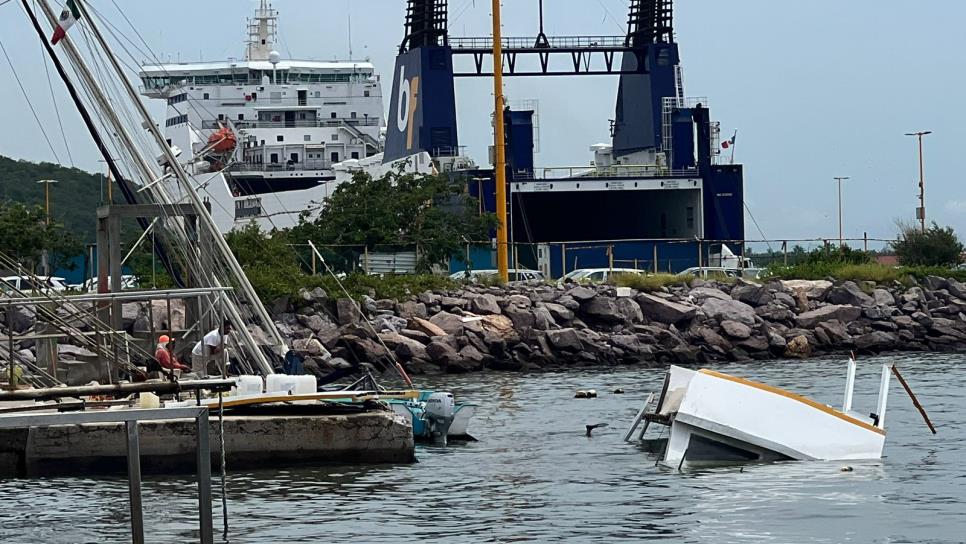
(440,410)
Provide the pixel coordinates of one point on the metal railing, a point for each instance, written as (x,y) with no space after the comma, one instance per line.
(305,165)
(555,42)
(298,123)
(614,171)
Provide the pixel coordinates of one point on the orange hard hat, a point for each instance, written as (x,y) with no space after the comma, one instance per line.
(164,339)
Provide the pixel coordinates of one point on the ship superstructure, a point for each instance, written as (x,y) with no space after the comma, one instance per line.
(297,125)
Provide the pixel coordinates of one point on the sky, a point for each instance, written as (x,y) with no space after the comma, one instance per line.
(815,90)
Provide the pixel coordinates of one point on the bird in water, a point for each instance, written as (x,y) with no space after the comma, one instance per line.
(590,428)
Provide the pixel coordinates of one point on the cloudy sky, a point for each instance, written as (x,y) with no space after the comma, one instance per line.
(816,89)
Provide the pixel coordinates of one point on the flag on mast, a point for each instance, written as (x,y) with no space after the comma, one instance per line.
(68,17)
(730,143)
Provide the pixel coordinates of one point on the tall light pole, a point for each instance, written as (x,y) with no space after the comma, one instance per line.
(499,147)
(45,257)
(841,236)
(921,212)
(47,183)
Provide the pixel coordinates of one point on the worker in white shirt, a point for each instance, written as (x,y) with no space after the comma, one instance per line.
(210,348)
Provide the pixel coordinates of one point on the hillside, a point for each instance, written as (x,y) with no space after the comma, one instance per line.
(73,200)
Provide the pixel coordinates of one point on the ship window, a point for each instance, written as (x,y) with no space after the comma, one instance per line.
(333,115)
(318,94)
(241,116)
(365,93)
(355,154)
(280,138)
(207,96)
(295,157)
(254,97)
(335,137)
(302,116)
(308,137)
(221,116)
(335,156)
(353,115)
(274,158)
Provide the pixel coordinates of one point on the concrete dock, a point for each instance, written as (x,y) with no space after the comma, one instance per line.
(256,438)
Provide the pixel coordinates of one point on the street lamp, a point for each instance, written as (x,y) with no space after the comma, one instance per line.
(841,237)
(47,183)
(921,212)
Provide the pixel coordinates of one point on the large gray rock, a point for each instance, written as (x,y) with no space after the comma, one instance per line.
(775,312)
(736,330)
(582,294)
(957,289)
(664,311)
(565,340)
(630,310)
(484,305)
(308,346)
(346,311)
(712,339)
(876,341)
(450,323)
(836,332)
(542,319)
(559,312)
(411,309)
(751,294)
(935,283)
(850,294)
(442,353)
(883,298)
(811,289)
(840,312)
(522,318)
(602,309)
(315,322)
(627,342)
(700,294)
(729,309)
(404,347)
(426,327)
(798,348)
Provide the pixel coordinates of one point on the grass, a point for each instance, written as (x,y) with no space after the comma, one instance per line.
(877,273)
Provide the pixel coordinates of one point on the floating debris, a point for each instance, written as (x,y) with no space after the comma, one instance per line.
(586,394)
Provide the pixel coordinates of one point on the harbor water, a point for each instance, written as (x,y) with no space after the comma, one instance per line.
(535,476)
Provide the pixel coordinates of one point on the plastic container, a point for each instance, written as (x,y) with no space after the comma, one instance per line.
(248,385)
(148,401)
(290,385)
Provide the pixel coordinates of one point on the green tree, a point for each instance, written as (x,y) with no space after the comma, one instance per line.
(936,246)
(394,212)
(25,234)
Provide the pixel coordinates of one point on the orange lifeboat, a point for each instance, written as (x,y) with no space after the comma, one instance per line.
(222,141)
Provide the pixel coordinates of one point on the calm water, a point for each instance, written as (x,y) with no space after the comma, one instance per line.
(534,476)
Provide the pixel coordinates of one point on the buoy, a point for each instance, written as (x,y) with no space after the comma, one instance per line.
(847,469)
(586,394)
(618,391)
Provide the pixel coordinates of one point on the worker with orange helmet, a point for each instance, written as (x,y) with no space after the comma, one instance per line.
(165,355)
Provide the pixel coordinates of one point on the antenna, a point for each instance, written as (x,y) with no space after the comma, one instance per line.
(348,8)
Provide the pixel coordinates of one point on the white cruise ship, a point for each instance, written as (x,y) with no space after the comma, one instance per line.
(268,138)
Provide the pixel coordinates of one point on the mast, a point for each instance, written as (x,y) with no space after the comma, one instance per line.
(262,30)
(499,145)
(221,246)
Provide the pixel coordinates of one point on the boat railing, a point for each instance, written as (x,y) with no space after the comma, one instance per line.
(213,124)
(305,165)
(553,42)
(616,171)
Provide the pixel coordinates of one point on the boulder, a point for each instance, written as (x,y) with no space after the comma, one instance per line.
(346,311)
(559,312)
(935,283)
(442,353)
(798,348)
(812,289)
(664,311)
(626,342)
(389,323)
(427,327)
(602,309)
(712,339)
(452,302)
(630,310)
(754,344)
(836,333)
(700,294)
(956,289)
(881,297)
(565,340)
(542,320)
(405,348)
(849,294)
(840,312)
(775,312)
(751,294)
(484,305)
(69,351)
(581,294)
(729,309)
(522,318)
(308,346)
(876,341)
(410,309)
(418,336)
(450,323)
(736,330)
(520,301)
(315,322)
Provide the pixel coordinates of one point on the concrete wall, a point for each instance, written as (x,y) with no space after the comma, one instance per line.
(168,446)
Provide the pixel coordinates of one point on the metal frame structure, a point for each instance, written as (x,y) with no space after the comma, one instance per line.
(131,418)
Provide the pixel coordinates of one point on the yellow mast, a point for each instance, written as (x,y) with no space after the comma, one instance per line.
(499,146)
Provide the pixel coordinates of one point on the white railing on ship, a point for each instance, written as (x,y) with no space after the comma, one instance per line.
(622,171)
(299,123)
(311,164)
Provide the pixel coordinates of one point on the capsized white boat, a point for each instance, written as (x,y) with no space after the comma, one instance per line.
(715,417)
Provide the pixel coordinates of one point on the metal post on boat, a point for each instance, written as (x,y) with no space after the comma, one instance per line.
(883,395)
(849,385)
(915,400)
(134,481)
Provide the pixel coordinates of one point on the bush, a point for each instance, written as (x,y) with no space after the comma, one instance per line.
(649,282)
(936,246)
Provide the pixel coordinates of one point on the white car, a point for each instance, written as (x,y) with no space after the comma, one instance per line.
(52,284)
(128,281)
(516,274)
(598,275)
(711,271)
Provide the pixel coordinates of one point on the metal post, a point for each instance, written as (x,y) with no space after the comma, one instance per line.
(563,259)
(204,479)
(11,369)
(134,482)
(700,254)
(114,236)
(921,212)
(785,251)
(865,244)
(365,251)
(841,236)
(499,132)
(655,257)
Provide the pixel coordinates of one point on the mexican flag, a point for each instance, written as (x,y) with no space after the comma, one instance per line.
(68,17)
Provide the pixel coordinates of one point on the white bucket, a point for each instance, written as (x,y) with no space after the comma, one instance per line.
(248,385)
(291,385)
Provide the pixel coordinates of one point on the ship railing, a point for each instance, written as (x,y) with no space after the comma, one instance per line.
(616,171)
(305,165)
(554,42)
(300,123)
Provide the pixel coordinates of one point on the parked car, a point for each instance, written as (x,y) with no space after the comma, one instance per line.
(52,284)
(516,274)
(128,281)
(598,275)
(712,271)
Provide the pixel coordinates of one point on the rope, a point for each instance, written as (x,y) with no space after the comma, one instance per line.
(29,103)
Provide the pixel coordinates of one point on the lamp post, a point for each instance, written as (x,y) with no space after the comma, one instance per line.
(840,179)
(44,257)
(921,212)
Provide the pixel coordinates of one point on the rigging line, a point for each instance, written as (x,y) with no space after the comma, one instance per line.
(53,99)
(610,15)
(755,221)
(29,103)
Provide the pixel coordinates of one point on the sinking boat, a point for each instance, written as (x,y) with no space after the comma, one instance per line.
(436,415)
(719,418)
